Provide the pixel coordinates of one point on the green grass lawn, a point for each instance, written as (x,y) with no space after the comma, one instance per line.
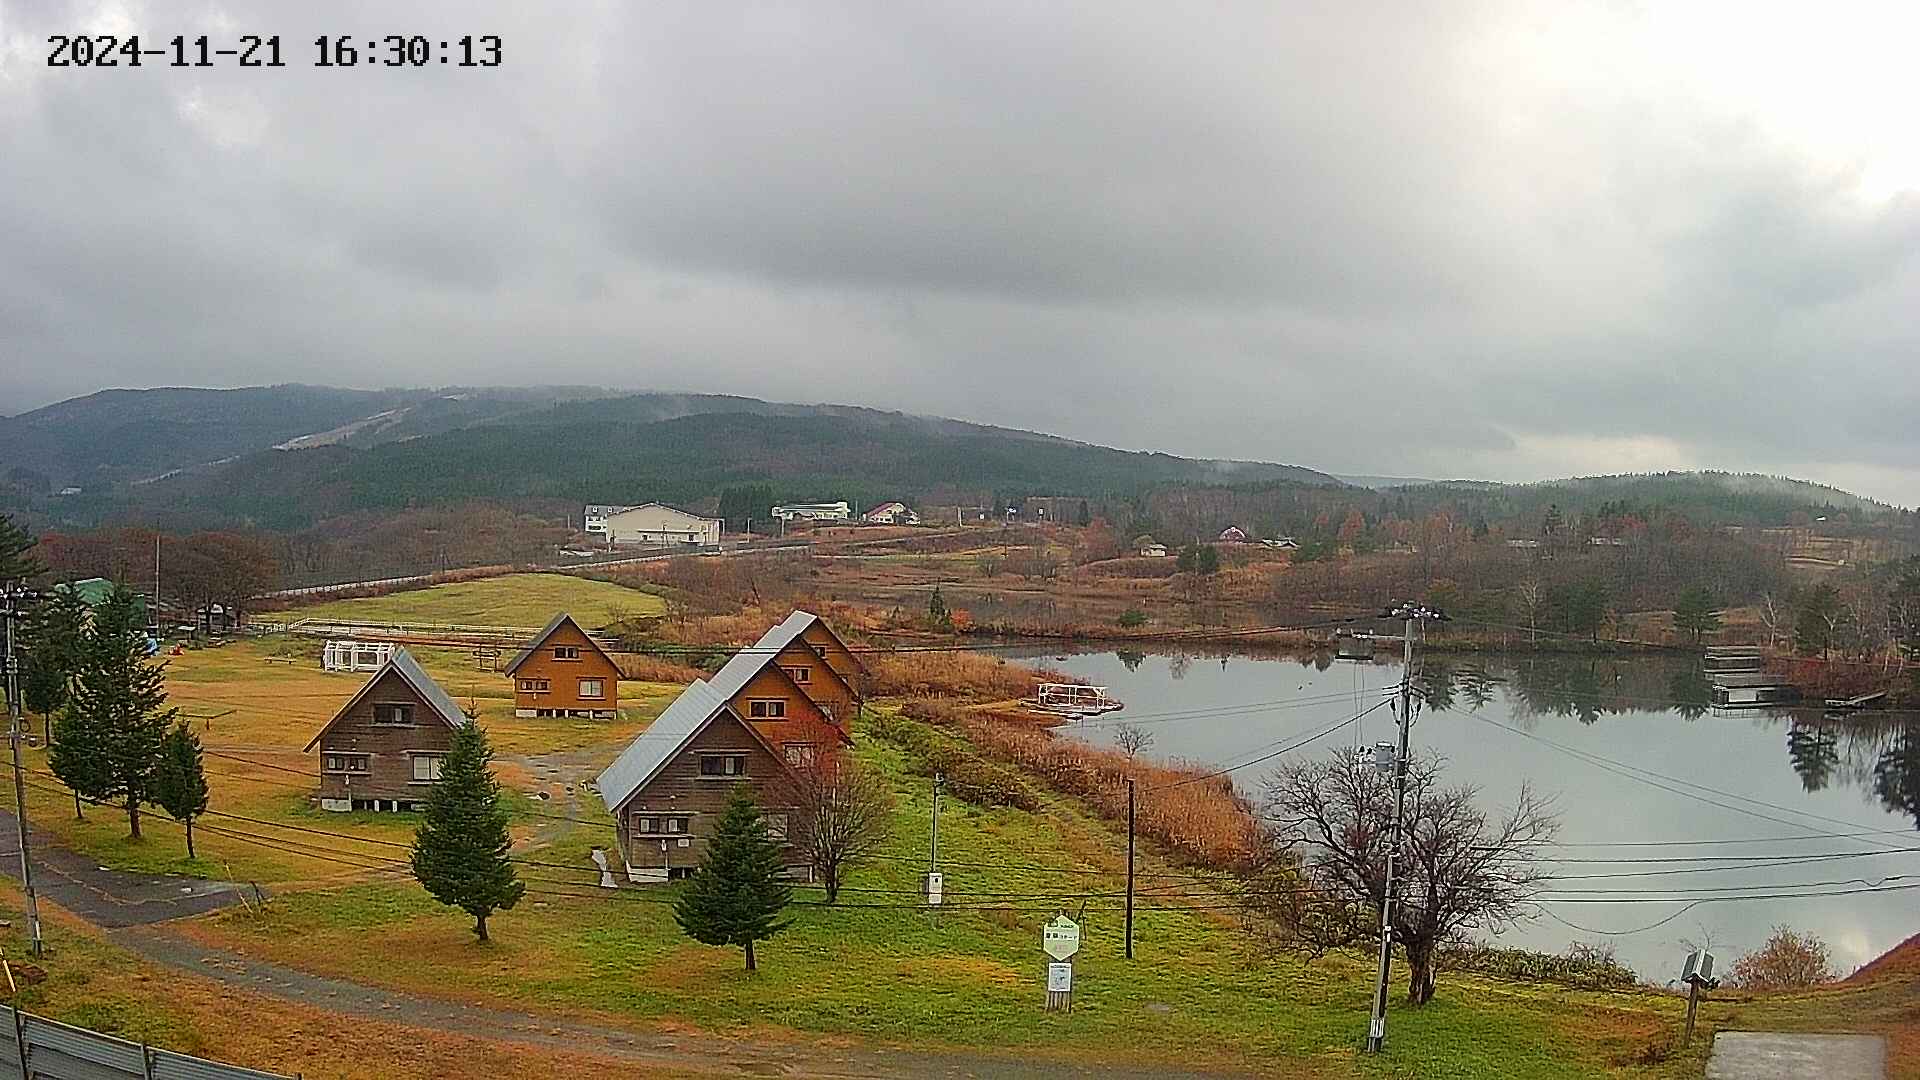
(882,967)
(511,600)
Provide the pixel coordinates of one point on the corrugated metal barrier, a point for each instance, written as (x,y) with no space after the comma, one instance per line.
(34,1048)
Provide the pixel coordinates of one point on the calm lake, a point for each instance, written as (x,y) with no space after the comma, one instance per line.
(1628,749)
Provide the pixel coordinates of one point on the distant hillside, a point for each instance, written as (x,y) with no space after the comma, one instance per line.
(123,436)
(566,456)
(1707,497)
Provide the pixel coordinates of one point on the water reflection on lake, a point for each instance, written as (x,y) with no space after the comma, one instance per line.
(1592,732)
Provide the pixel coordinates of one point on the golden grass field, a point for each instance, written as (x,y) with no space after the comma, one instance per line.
(510,600)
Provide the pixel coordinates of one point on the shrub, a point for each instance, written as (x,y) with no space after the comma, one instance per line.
(1588,967)
(1132,618)
(1788,961)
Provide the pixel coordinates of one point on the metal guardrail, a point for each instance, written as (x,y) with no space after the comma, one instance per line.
(35,1048)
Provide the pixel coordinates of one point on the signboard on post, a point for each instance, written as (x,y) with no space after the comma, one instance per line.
(1060,938)
(935,883)
(1059,978)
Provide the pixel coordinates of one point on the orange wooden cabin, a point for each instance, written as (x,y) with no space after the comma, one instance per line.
(564,672)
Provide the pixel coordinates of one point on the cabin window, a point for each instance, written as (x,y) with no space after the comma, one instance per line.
(566,652)
(775,824)
(393,714)
(660,824)
(426,767)
(798,674)
(767,709)
(346,763)
(593,688)
(798,753)
(723,766)
(534,686)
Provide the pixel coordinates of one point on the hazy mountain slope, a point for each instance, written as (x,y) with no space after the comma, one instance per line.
(119,435)
(689,459)
(1706,497)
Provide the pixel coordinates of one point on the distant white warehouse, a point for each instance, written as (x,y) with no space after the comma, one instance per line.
(595,519)
(658,523)
(833,511)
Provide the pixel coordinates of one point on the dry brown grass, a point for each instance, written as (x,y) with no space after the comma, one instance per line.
(1200,818)
(957,674)
(642,667)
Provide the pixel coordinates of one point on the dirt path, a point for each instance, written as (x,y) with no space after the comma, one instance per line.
(128,906)
(759,1055)
(110,898)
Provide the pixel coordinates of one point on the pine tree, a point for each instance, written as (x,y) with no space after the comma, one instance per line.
(16,552)
(180,782)
(1694,613)
(460,849)
(1206,560)
(937,612)
(53,655)
(110,744)
(737,894)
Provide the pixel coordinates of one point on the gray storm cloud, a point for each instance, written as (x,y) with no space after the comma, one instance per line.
(1350,236)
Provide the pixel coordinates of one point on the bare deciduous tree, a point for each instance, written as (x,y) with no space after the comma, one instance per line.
(1532,598)
(1131,739)
(841,813)
(1328,824)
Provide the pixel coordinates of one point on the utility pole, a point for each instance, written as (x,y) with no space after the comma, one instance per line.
(934,881)
(14,597)
(1411,613)
(1129,867)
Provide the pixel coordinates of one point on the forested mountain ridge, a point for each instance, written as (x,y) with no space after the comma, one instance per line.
(123,436)
(860,455)
(190,458)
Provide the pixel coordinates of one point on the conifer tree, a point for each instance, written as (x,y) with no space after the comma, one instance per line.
(737,894)
(16,552)
(110,742)
(460,849)
(180,782)
(52,659)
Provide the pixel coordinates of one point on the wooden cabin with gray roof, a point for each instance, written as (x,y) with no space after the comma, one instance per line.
(768,713)
(383,749)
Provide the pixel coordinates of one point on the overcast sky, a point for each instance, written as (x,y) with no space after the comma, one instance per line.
(1461,239)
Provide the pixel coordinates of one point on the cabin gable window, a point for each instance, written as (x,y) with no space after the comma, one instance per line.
(566,652)
(344,763)
(800,675)
(723,766)
(535,686)
(798,753)
(767,709)
(393,714)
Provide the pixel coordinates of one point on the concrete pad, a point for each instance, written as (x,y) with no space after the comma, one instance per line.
(1777,1055)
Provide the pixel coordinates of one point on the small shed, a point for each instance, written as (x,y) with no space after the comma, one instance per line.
(1233,534)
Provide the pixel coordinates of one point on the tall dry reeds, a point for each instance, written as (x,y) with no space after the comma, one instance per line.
(1199,818)
(954,674)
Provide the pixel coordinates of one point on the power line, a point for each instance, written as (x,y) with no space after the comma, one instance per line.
(1322,733)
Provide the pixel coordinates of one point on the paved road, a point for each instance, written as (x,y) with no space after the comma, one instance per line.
(1773,1055)
(110,898)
